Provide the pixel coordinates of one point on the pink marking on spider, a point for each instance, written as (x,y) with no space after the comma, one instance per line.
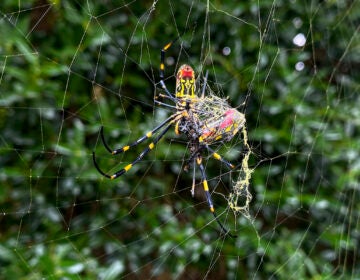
(229,120)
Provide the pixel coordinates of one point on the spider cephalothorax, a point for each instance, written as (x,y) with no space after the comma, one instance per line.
(204,120)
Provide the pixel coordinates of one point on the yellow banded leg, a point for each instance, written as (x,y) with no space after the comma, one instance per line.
(219,158)
(162,70)
(137,142)
(205,183)
(208,196)
(142,154)
(139,158)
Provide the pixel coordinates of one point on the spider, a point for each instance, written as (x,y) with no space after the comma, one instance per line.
(204,120)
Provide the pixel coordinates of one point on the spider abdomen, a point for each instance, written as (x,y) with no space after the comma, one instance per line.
(223,128)
(219,121)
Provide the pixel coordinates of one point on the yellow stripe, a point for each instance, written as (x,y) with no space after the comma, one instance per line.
(149,134)
(127,167)
(192,92)
(217,156)
(112,177)
(126,148)
(162,66)
(167,46)
(151,146)
(180,93)
(212,209)
(206,187)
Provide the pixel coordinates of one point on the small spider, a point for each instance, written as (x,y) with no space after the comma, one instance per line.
(204,120)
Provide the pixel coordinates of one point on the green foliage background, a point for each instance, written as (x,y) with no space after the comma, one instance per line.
(68,67)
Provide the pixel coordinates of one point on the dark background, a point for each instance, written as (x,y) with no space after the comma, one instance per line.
(68,67)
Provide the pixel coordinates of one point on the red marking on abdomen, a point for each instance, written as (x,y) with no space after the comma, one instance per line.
(187,73)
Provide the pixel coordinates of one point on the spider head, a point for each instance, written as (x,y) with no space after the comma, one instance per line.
(185,82)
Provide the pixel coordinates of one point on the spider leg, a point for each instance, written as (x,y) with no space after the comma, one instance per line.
(190,160)
(164,104)
(193,180)
(204,85)
(208,196)
(129,166)
(137,142)
(162,69)
(219,158)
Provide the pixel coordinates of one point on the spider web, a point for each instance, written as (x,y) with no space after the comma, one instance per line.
(69,67)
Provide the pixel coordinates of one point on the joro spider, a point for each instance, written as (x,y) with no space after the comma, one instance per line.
(205,120)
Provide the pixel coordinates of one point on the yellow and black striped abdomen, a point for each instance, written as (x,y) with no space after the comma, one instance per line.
(185,82)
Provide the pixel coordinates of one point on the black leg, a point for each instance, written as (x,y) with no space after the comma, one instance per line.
(137,142)
(219,158)
(162,69)
(208,196)
(139,158)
